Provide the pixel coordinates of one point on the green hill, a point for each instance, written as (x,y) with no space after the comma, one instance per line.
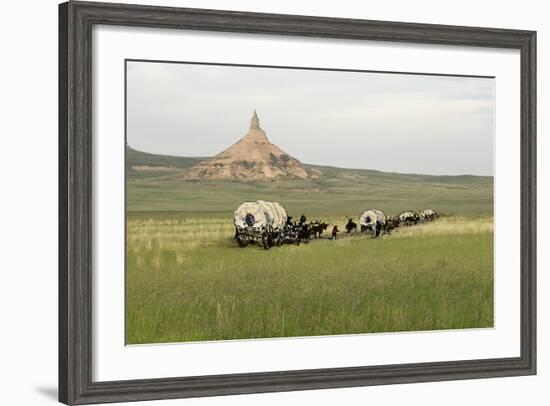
(159,187)
(139,158)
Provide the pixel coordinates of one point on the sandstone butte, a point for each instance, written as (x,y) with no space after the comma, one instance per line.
(252,158)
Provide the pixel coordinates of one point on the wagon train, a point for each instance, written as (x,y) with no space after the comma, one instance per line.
(267,224)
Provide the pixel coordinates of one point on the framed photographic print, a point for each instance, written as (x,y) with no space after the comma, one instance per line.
(258,202)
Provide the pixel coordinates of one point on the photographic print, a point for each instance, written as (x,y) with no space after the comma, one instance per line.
(270,202)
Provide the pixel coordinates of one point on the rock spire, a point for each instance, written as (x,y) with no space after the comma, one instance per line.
(252,158)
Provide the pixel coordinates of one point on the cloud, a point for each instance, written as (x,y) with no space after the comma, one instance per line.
(393,122)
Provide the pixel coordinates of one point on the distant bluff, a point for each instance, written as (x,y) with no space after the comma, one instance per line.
(252,158)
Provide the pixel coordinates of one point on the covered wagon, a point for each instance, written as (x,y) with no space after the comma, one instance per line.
(428,215)
(373,220)
(259,223)
(409,217)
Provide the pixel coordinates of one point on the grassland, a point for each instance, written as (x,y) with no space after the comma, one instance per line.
(187,280)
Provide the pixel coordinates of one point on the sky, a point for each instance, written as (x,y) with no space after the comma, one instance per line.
(441,125)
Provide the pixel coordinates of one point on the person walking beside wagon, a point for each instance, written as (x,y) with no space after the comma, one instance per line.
(335,232)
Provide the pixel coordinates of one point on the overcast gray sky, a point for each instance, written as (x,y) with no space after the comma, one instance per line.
(390,122)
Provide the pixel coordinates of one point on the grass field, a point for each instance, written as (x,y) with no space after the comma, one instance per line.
(187,280)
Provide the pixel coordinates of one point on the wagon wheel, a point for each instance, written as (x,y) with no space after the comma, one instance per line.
(242,242)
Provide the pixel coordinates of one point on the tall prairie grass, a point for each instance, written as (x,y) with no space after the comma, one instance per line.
(178,233)
(187,280)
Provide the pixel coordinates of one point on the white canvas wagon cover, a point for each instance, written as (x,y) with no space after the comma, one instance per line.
(405,215)
(371,216)
(262,213)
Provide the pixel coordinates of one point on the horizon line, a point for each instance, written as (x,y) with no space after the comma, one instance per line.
(322,165)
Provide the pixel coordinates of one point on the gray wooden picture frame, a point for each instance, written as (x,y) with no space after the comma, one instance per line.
(76,20)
